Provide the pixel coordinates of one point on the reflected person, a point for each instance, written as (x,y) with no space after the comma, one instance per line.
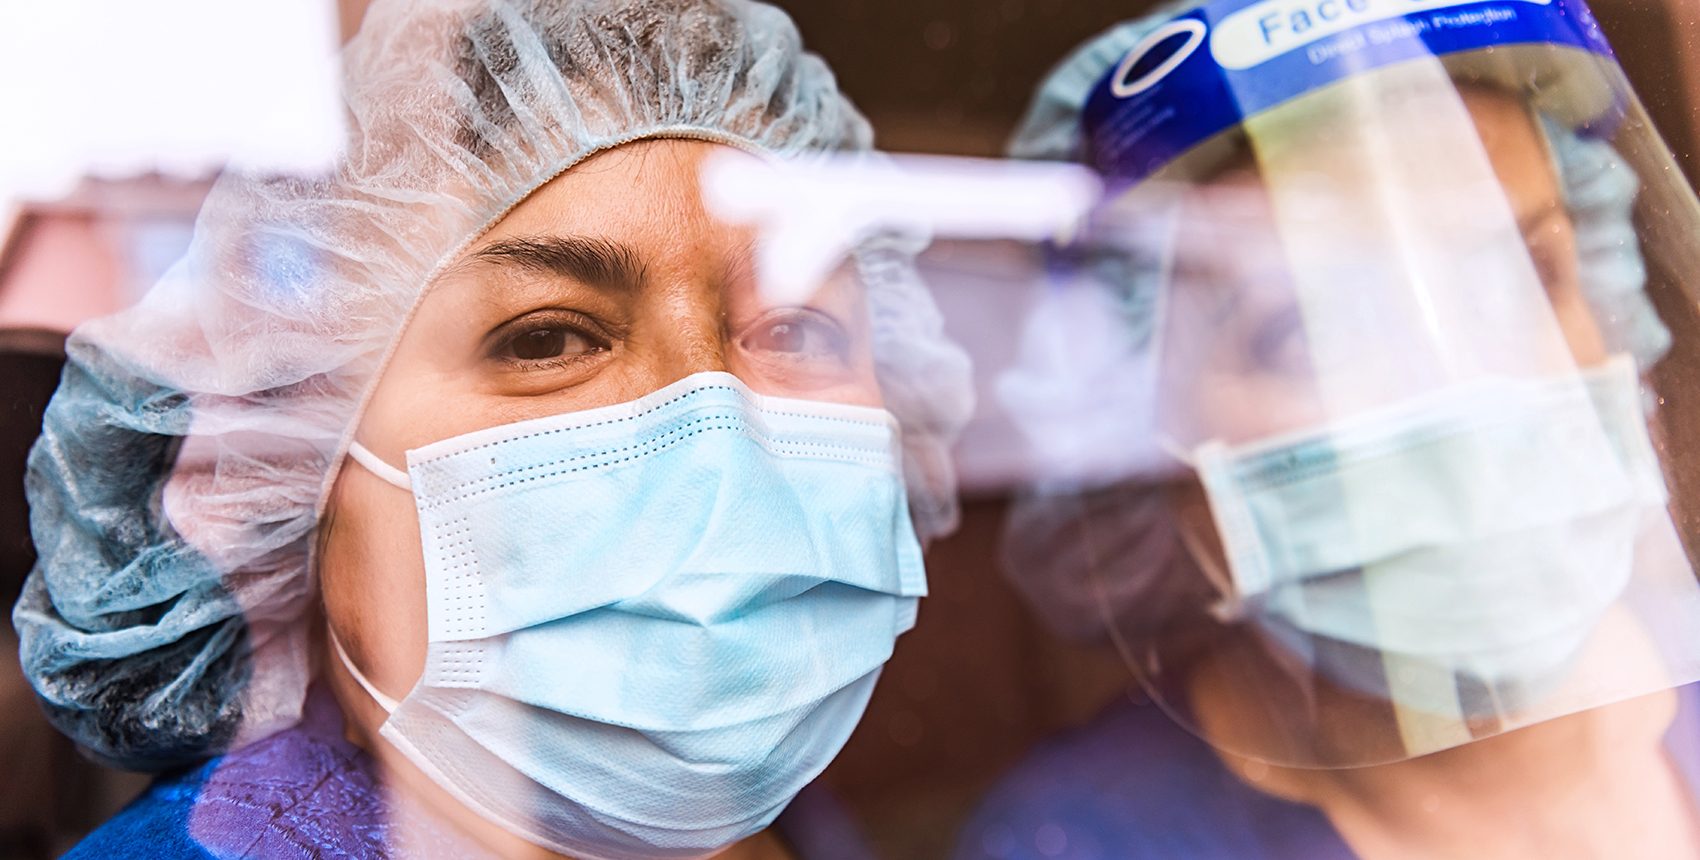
(1472,600)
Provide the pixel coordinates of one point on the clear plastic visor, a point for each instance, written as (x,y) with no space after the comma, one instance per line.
(1415,366)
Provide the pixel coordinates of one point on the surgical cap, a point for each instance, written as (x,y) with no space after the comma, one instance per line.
(184,463)
(1599,191)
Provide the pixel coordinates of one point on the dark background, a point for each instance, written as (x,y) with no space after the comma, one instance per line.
(950,76)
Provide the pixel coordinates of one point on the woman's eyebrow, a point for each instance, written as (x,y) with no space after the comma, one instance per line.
(596,262)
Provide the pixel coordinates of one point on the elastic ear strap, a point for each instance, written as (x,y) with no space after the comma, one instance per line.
(388,704)
(379,467)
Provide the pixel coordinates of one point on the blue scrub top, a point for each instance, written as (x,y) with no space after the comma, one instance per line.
(1133,784)
(307,793)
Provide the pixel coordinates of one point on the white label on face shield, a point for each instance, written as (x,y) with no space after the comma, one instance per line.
(1263,31)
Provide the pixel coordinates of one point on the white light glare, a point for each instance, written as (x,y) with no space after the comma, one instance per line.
(811,213)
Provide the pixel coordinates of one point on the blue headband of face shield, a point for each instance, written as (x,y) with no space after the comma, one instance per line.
(1148,92)
(1207,70)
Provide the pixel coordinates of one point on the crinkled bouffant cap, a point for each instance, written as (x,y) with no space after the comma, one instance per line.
(175,487)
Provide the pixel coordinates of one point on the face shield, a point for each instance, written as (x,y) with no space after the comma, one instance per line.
(1411,464)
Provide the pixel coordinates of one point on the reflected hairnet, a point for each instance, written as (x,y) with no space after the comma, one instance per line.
(1051,129)
(1599,190)
(1129,522)
(176,485)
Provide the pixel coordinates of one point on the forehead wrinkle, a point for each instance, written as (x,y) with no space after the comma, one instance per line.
(594,261)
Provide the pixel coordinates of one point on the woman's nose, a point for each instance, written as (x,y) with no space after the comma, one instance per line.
(704,353)
(694,340)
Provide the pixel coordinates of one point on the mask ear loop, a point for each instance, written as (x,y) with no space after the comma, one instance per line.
(1231,606)
(378,467)
(384,701)
(391,475)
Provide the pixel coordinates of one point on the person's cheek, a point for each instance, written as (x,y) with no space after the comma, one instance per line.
(372,575)
(1581,333)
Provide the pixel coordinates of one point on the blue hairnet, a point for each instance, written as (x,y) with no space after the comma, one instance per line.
(185,460)
(1599,190)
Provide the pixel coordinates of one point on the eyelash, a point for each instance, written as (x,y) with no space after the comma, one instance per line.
(821,322)
(504,340)
(543,365)
(570,322)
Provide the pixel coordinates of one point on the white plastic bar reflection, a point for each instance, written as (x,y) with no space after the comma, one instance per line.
(185,87)
(812,213)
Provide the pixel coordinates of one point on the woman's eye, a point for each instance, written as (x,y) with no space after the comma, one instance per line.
(797,336)
(544,343)
(782,337)
(541,344)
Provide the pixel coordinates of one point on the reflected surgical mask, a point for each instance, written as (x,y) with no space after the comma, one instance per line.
(652,624)
(1478,534)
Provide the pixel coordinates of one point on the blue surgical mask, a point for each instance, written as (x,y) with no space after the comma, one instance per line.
(652,624)
(1479,533)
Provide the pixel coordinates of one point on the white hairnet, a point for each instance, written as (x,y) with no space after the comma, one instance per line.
(177,484)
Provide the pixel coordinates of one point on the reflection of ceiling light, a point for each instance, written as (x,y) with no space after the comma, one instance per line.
(116,87)
(812,211)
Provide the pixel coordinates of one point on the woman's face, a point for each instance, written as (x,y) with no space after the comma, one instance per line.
(1240,370)
(1237,362)
(608,283)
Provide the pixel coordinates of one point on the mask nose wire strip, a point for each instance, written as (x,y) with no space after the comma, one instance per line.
(379,467)
(388,704)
